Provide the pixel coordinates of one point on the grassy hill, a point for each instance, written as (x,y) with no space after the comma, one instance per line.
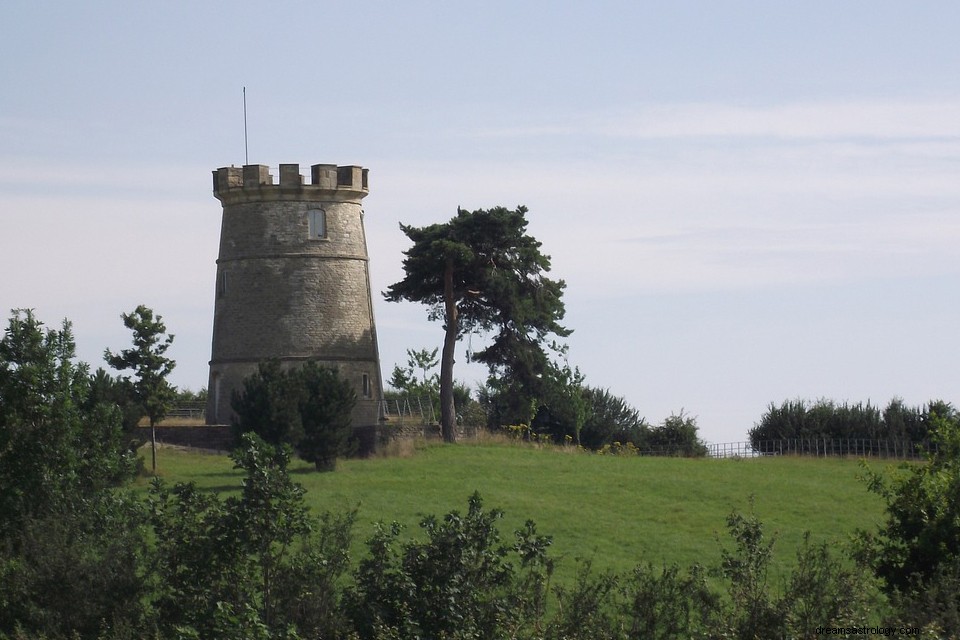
(615,511)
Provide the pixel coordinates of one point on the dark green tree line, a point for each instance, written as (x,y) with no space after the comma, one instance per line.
(825,419)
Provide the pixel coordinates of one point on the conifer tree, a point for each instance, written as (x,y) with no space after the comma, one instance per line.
(481,271)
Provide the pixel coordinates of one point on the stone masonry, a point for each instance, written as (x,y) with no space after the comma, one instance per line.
(293,281)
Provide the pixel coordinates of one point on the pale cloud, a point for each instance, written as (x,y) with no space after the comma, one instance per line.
(814,120)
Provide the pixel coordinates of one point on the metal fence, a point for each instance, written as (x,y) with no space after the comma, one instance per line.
(408,410)
(194,410)
(822,447)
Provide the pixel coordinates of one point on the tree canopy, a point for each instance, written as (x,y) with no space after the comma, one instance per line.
(54,440)
(481,272)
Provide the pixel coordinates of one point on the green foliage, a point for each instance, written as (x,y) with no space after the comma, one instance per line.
(799,420)
(56,445)
(746,567)
(481,272)
(916,552)
(325,409)
(590,417)
(415,378)
(308,589)
(646,603)
(222,564)
(677,435)
(269,405)
(148,362)
(596,419)
(105,389)
(77,571)
(186,396)
(610,419)
(69,546)
(823,589)
(564,401)
(150,387)
(458,583)
(669,604)
(308,408)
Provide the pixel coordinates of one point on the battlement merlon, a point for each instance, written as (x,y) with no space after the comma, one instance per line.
(253,182)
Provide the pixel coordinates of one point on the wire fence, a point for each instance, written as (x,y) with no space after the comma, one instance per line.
(194,410)
(823,447)
(403,410)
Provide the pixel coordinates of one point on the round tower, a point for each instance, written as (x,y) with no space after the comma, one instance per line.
(293,281)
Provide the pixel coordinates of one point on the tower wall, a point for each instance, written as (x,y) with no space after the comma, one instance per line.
(293,281)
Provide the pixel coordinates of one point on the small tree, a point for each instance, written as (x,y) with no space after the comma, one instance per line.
(480,271)
(325,412)
(269,405)
(150,367)
(564,407)
(308,408)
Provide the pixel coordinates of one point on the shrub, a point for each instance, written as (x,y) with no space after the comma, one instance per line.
(307,408)
(677,436)
(916,552)
(458,583)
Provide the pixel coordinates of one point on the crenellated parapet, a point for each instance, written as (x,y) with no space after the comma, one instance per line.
(255,182)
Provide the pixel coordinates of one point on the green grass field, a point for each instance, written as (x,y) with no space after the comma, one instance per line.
(615,511)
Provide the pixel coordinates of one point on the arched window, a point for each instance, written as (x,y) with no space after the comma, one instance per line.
(317,223)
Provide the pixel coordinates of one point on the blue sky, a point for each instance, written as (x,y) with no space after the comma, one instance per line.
(749,201)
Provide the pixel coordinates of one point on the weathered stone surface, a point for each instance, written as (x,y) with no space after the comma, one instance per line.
(283,292)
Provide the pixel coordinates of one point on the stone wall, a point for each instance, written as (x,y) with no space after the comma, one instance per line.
(216,437)
(290,288)
(220,437)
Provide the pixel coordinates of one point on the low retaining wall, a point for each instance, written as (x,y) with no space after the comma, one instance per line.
(219,437)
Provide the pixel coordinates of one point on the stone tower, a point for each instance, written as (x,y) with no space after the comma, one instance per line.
(293,281)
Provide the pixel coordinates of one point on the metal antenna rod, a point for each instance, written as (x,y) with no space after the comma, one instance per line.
(246,153)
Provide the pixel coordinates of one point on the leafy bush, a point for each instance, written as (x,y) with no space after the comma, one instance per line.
(677,435)
(307,408)
(610,419)
(458,583)
(70,546)
(77,571)
(243,566)
(916,552)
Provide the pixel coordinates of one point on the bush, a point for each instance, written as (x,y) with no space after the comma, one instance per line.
(307,408)
(916,552)
(610,419)
(677,436)
(458,583)
(241,566)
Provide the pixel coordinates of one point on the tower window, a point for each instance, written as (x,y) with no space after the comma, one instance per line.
(317,223)
(222,284)
(367,392)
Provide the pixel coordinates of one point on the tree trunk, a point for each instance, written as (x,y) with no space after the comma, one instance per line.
(448,412)
(153,445)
